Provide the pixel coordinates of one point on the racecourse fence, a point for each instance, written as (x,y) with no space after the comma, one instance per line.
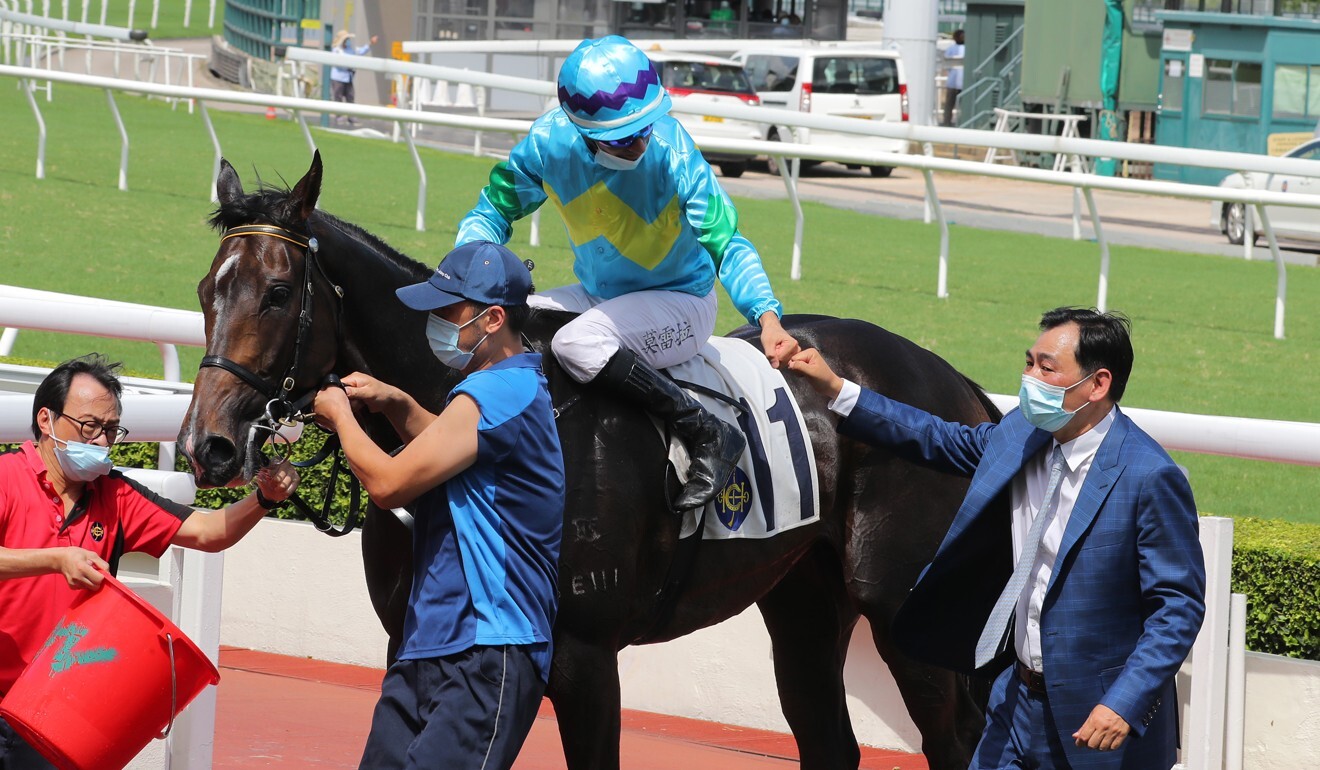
(792,123)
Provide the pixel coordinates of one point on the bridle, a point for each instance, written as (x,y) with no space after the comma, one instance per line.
(283,408)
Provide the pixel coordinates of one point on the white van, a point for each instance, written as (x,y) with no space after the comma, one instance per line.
(844,82)
(698,80)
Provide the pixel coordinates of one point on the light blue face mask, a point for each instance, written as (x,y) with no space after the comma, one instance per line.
(1042,403)
(443,337)
(81,462)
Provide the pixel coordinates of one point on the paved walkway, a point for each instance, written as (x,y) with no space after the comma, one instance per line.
(275,711)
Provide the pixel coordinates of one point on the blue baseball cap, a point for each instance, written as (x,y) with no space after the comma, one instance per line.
(480,271)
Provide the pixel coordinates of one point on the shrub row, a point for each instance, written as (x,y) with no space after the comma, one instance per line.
(1276,564)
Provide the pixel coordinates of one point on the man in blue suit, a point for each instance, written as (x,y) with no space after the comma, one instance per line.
(1072,571)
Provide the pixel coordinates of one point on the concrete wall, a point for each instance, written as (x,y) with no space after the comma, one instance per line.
(291,590)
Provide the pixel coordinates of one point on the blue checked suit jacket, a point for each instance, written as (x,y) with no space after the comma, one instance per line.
(1127,594)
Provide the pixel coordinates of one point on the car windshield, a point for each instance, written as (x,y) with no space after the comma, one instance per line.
(1308,151)
(703,76)
(854,75)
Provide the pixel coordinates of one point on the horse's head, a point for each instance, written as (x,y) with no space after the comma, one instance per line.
(271,317)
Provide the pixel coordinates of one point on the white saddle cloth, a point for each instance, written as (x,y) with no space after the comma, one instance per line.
(774,488)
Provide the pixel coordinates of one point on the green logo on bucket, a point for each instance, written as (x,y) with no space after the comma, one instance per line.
(66,656)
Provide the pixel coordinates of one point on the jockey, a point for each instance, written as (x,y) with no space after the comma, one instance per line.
(651,229)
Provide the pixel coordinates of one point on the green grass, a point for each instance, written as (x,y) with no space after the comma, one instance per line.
(1202,324)
(169,20)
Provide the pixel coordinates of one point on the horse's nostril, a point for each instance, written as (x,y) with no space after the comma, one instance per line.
(216,455)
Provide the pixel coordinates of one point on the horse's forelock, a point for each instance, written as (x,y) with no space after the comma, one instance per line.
(269,205)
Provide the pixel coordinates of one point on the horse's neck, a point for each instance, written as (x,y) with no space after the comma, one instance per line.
(378,335)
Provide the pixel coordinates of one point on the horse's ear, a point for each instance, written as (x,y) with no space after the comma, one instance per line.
(228,188)
(308,189)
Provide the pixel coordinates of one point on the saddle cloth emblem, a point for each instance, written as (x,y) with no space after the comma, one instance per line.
(774,487)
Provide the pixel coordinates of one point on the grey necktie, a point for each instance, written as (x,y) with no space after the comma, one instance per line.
(997,625)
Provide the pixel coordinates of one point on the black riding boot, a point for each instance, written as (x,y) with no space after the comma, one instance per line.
(713,445)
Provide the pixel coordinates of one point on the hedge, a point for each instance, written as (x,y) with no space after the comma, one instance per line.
(1276,564)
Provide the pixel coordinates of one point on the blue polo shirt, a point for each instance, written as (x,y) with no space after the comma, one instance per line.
(486,543)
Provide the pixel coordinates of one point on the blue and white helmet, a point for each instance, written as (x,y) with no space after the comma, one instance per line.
(610,89)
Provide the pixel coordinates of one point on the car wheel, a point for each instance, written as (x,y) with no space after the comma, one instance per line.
(771,162)
(1235,223)
(733,170)
(881,171)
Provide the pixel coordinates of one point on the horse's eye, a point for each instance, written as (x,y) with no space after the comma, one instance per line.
(278,296)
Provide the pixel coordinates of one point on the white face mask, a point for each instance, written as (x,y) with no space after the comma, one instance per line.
(615,163)
(80,461)
(443,338)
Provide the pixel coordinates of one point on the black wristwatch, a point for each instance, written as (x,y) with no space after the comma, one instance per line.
(266,503)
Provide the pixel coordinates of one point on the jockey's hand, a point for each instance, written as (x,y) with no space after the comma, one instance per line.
(778,344)
(332,408)
(277,482)
(369,391)
(812,365)
(78,566)
(1104,730)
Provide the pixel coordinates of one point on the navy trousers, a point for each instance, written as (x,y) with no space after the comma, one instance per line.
(18,754)
(467,711)
(1021,734)
(1019,730)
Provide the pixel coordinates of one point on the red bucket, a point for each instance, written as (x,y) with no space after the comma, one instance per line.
(113,675)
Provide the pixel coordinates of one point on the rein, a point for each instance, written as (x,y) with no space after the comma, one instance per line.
(285,409)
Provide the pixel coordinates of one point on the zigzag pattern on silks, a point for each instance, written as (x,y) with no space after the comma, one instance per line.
(614,100)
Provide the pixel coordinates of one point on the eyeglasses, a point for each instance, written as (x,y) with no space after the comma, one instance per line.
(627,141)
(91,430)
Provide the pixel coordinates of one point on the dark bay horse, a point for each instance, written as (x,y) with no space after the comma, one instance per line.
(273,309)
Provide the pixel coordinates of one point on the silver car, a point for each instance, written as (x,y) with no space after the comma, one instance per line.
(1287,221)
(700,80)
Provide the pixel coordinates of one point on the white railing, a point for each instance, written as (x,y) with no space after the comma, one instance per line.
(800,123)
(13,17)
(149,62)
(164,327)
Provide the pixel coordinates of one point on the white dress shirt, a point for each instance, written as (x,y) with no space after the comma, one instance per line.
(1028,489)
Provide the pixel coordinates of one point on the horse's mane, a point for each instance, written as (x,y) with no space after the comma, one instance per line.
(270,205)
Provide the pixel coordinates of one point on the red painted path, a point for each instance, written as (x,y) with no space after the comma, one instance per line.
(285,712)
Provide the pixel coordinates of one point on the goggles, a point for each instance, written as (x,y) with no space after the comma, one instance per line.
(626,141)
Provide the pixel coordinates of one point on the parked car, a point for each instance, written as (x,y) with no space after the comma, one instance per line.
(843,82)
(699,80)
(1287,221)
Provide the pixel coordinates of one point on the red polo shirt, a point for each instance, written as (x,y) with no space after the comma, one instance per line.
(115,515)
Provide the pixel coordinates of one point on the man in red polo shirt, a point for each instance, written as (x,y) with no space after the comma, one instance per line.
(64,513)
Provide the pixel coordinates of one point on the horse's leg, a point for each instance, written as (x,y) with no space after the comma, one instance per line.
(942,704)
(810,621)
(584,688)
(387,562)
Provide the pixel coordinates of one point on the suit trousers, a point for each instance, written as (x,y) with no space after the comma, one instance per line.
(1019,729)
(1020,732)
